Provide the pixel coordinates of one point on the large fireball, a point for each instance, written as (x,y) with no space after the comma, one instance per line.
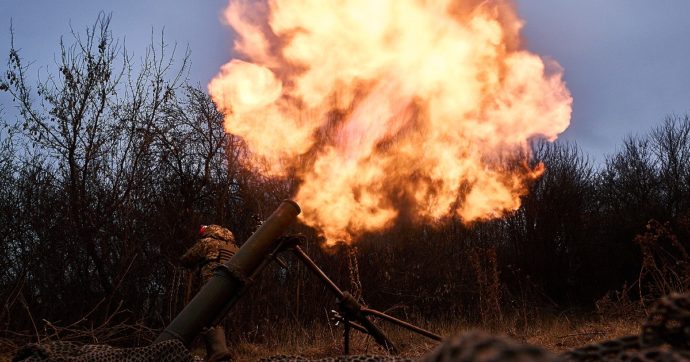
(383,107)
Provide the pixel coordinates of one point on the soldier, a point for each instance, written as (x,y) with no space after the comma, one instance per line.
(215,246)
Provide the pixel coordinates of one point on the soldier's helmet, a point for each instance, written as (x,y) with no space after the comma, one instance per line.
(216,232)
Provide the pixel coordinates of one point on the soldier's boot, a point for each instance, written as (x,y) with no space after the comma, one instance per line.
(216,348)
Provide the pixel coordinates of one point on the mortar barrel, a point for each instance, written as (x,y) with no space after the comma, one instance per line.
(229,278)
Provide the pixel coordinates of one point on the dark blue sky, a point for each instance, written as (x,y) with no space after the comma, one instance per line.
(627,62)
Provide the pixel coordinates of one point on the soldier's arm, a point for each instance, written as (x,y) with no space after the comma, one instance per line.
(195,254)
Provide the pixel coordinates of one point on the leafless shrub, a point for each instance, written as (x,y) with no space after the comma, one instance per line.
(665,263)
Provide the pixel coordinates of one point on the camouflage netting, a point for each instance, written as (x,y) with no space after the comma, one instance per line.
(166,351)
(665,336)
(481,347)
(354,358)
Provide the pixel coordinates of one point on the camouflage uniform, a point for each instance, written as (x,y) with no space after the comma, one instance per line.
(216,245)
(205,253)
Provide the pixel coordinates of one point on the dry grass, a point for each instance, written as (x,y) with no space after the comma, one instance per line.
(556,333)
(562,334)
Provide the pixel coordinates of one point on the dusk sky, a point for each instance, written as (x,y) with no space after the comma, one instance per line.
(627,62)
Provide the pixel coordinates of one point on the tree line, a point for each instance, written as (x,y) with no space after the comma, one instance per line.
(114,163)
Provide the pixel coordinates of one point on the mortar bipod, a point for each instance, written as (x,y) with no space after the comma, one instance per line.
(352,313)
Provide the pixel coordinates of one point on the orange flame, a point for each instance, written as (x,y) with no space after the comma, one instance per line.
(382,103)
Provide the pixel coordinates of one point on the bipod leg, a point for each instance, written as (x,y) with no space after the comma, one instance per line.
(401,323)
(352,310)
(346,336)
